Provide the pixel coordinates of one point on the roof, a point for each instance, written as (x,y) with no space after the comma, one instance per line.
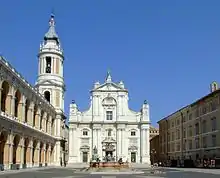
(51,33)
(192,104)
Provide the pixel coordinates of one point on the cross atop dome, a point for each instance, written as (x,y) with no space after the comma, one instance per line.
(51,33)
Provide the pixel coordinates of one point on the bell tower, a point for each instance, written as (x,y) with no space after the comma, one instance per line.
(50,81)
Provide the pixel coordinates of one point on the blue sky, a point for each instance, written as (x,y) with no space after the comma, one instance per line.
(167,52)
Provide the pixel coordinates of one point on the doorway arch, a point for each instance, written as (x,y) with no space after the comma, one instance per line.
(17,102)
(26,143)
(47,96)
(4,95)
(3,139)
(15,147)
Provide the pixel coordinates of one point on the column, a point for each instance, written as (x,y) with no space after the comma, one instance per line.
(30,114)
(29,154)
(22,152)
(10,141)
(57,153)
(119,143)
(36,155)
(21,110)
(10,104)
(99,145)
(37,118)
(147,143)
(43,154)
(145,146)
(7,153)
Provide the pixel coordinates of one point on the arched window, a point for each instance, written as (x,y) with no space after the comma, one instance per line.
(109,132)
(47,96)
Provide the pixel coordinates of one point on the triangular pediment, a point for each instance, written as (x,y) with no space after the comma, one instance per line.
(109,140)
(109,87)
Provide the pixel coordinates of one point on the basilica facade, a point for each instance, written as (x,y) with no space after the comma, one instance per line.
(32,121)
(109,130)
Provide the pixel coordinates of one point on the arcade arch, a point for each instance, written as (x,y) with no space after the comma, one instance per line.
(5,103)
(3,139)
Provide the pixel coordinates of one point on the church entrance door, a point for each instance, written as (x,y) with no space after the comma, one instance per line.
(108,153)
(85,157)
(133,157)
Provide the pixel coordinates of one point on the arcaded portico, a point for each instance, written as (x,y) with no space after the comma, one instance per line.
(32,119)
(27,123)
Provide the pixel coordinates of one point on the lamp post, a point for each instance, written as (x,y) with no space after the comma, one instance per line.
(153,152)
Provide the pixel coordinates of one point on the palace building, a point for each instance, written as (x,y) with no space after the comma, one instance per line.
(32,120)
(109,130)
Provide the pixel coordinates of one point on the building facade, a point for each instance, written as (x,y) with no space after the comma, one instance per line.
(154,149)
(32,122)
(153,132)
(193,132)
(109,129)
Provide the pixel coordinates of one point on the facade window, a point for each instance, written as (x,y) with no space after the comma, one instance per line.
(213,140)
(48,64)
(213,105)
(184,145)
(204,110)
(197,143)
(184,133)
(190,144)
(204,142)
(168,137)
(85,133)
(197,113)
(178,122)
(184,118)
(178,134)
(109,133)
(109,115)
(204,130)
(133,133)
(172,136)
(178,146)
(213,123)
(197,128)
(190,116)
(190,130)
(47,96)
(172,124)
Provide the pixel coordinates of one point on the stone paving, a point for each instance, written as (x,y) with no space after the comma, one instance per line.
(57,172)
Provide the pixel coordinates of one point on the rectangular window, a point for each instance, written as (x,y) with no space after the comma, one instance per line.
(204,126)
(48,64)
(109,115)
(213,123)
(213,140)
(184,133)
(190,144)
(190,116)
(132,133)
(204,142)
(197,128)
(85,133)
(190,131)
(197,143)
(204,109)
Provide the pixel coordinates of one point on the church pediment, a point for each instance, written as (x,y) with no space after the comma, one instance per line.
(109,87)
(109,140)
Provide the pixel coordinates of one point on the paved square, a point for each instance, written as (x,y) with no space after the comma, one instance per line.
(71,173)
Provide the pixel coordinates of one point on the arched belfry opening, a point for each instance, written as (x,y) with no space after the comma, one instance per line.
(47,96)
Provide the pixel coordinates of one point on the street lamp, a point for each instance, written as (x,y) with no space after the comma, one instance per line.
(153,152)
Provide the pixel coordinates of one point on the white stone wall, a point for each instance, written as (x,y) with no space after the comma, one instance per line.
(109,97)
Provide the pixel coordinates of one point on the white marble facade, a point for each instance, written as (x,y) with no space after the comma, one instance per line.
(109,127)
